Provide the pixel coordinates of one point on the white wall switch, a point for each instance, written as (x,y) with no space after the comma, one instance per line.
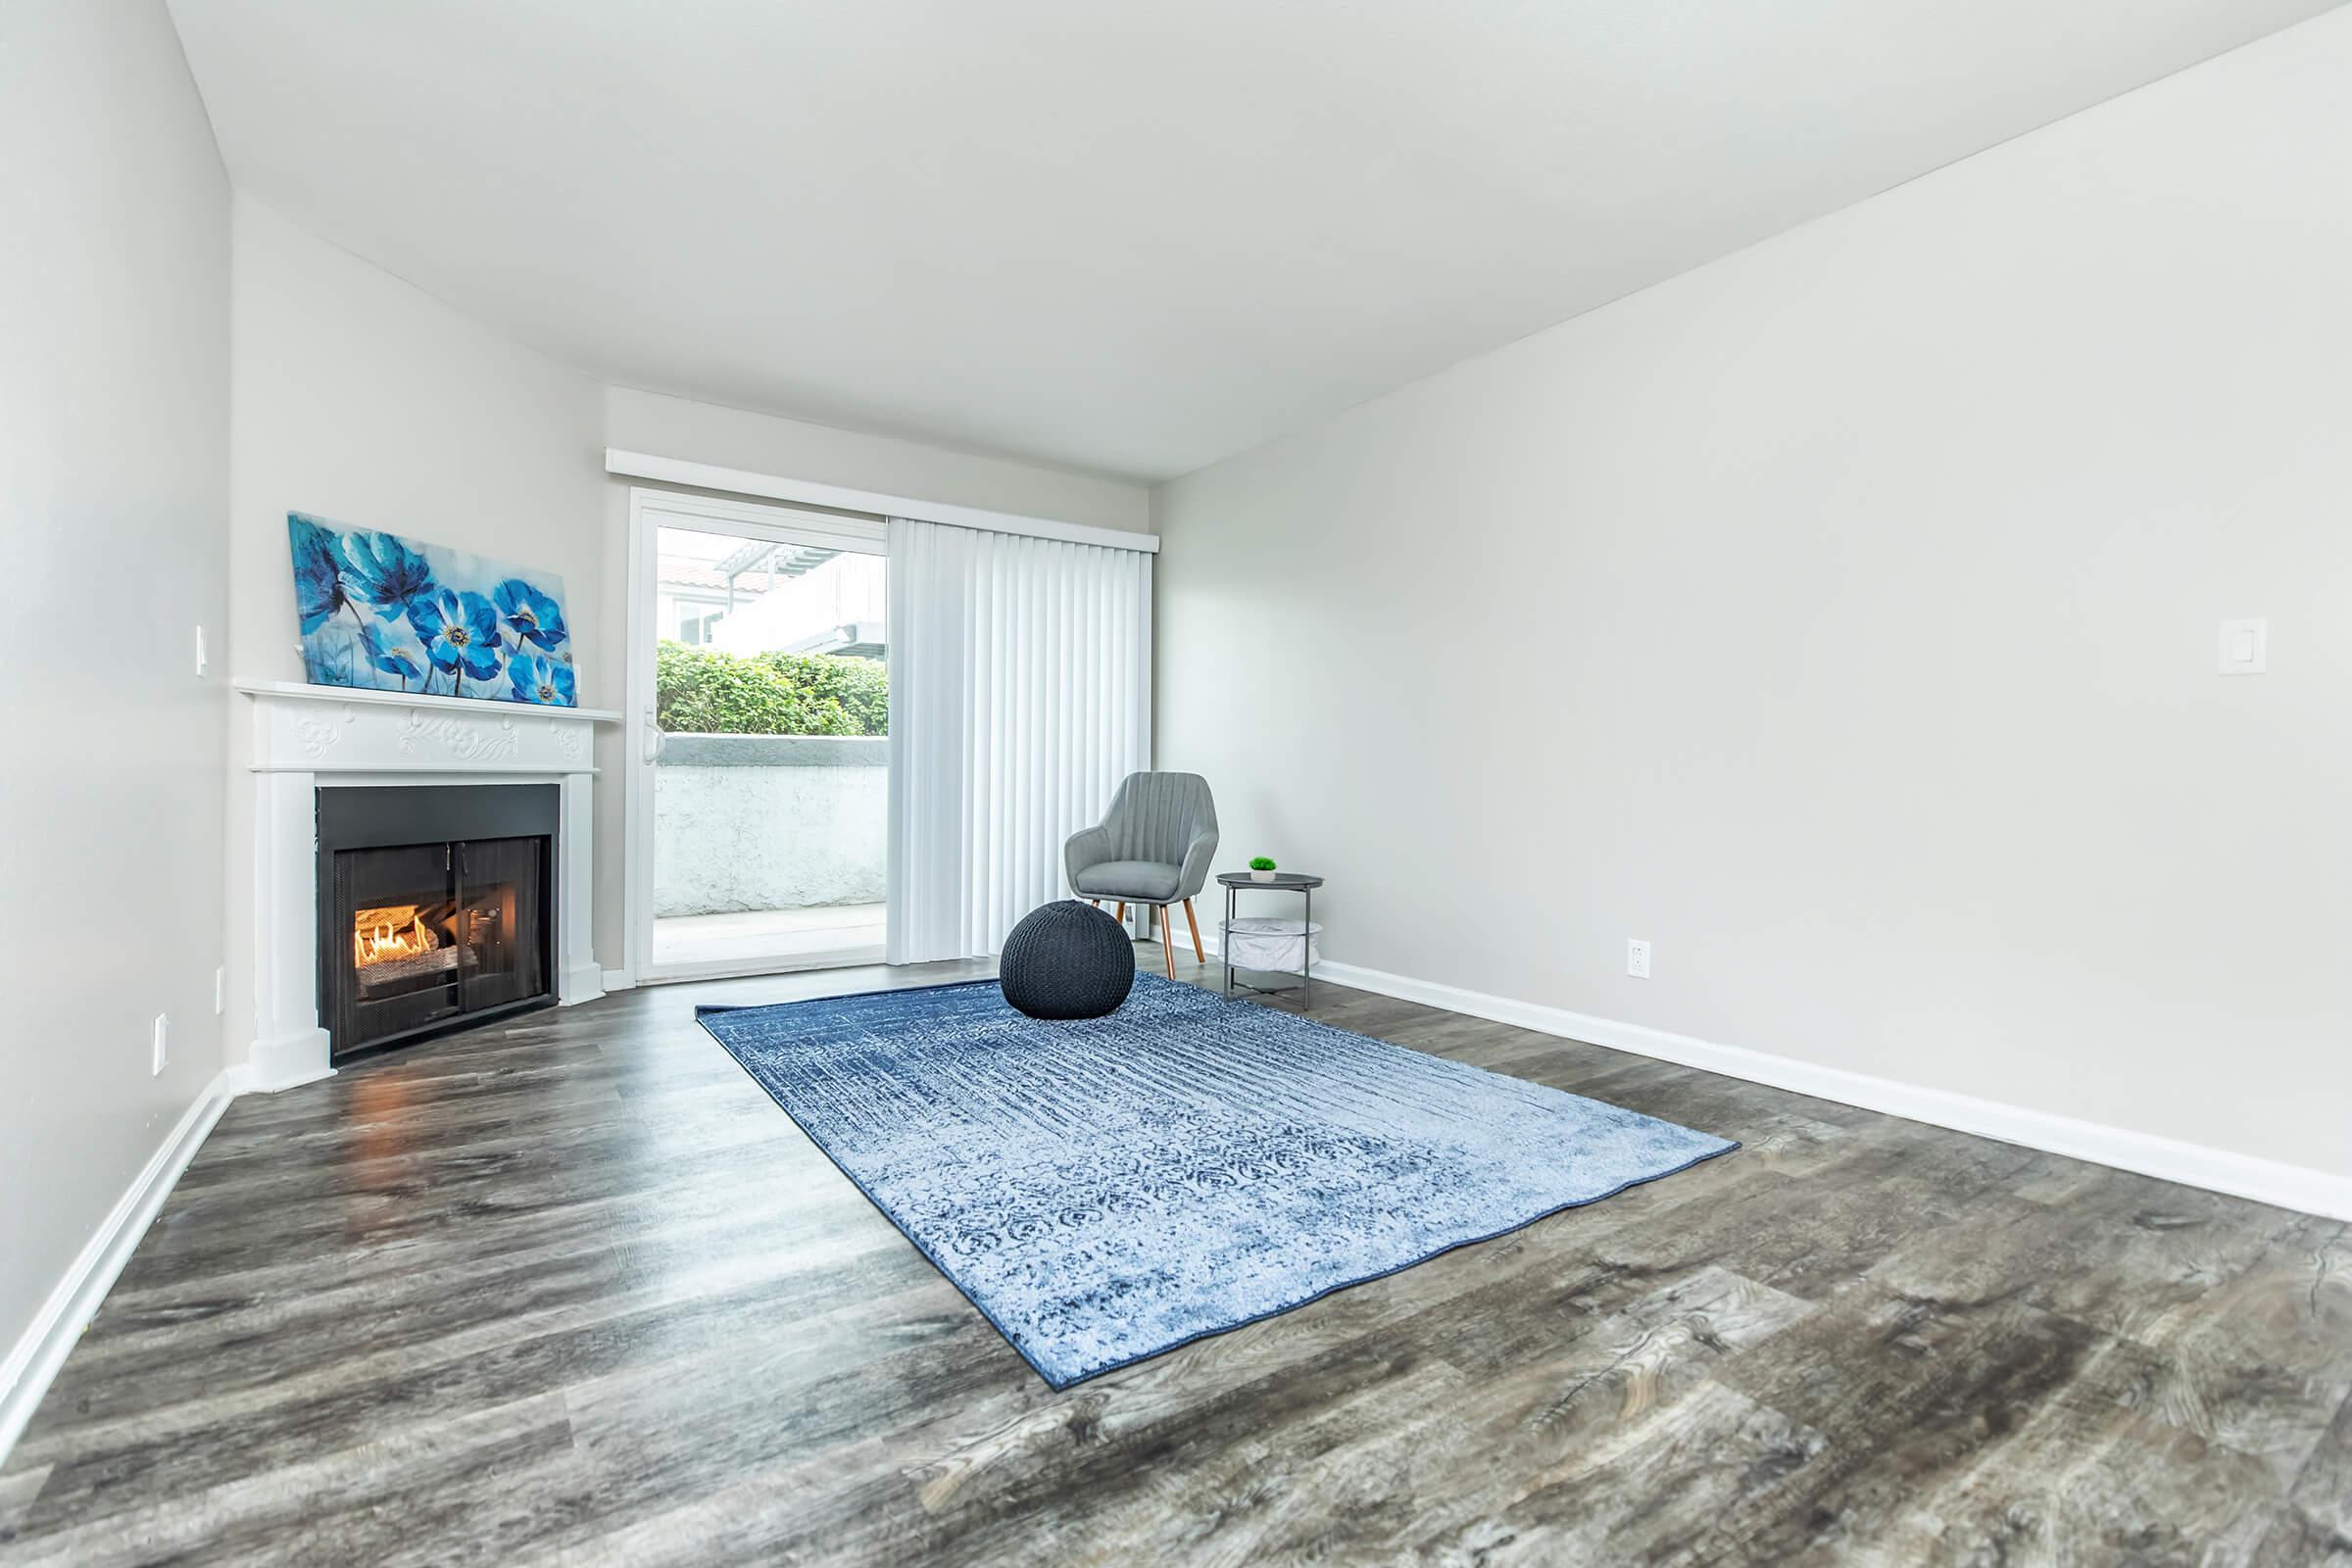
(200,658)
(2245,647)
(161,1023)
(1637,958)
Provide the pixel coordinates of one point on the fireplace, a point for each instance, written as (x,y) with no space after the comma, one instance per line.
(323,761)
(434,909)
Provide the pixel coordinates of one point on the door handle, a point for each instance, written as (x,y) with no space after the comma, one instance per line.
(654,739)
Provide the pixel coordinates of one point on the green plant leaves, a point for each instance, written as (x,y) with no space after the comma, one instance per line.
(699,691)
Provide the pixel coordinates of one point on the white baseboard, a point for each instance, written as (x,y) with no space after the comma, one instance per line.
(2266,1181)
(582,982)
(286,1062)
(38,1353)
(619,980)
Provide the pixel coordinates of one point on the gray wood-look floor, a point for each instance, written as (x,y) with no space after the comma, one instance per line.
(575,1289)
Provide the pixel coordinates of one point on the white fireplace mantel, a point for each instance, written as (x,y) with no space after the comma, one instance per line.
(310,738)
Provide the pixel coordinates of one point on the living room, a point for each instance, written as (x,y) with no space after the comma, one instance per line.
(1026,783)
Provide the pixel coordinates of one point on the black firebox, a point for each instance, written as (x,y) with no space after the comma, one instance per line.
(435,908)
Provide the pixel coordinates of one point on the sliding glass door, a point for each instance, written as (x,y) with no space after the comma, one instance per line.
(760,754)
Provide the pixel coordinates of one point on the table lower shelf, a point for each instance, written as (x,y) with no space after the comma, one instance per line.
(1297,982)
(1288,981)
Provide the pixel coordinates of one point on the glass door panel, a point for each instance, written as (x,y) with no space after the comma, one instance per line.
(404,970)
(763,750)
(501,891)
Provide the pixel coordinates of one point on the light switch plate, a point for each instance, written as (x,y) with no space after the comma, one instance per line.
(2245,647)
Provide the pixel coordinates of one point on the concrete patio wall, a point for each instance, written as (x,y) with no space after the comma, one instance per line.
(768,822)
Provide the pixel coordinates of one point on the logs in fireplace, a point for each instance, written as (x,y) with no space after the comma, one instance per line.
(434,909)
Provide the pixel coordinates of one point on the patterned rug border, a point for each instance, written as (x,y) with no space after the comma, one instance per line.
(703,1010)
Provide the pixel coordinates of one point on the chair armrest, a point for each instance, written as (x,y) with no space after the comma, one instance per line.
(1196,856)
(1089,846)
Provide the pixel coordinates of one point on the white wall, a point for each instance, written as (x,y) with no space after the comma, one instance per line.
(735,438)
(1842,618)
(114,490)
(362,399)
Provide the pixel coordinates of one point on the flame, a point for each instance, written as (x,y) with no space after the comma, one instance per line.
(378,935)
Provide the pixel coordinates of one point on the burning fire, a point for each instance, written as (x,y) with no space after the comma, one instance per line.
(380,935)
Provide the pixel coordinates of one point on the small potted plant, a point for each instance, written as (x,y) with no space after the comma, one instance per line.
(1262,868)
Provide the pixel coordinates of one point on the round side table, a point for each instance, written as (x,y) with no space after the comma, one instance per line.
(1234,883)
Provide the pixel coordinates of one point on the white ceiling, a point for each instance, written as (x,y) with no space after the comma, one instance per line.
(1124,236)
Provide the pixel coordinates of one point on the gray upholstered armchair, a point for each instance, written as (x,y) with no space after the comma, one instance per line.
(1153,848)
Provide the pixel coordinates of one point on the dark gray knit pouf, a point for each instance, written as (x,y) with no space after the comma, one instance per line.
(1066,959)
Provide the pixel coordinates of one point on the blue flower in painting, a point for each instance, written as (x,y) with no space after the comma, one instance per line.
(328,659)
(387,573)
(391,660)
(537,678)
(318,568)
(534,615)
(460,631)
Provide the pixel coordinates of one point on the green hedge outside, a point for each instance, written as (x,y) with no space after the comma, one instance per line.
(699,691)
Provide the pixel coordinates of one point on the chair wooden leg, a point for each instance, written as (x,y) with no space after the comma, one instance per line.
(1122,914)
(1167,941)
(1197,955)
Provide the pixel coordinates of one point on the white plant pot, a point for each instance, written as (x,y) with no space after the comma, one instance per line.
(1256,875)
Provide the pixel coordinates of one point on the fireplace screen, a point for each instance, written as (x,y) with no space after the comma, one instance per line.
(431,933)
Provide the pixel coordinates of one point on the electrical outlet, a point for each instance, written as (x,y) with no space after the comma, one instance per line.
(2245,647)
(162,1053)
(1637,958)
(220,992)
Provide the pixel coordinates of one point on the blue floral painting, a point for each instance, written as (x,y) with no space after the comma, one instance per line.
(393,615)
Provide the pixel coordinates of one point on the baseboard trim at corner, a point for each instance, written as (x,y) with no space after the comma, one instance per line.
(2266,1181)
(619,980)
(33,1360)
(287,1061)
(581,983)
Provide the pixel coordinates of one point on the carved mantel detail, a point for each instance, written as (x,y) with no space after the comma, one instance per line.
(571,740)
(318,736)
(468,740)
(323,729)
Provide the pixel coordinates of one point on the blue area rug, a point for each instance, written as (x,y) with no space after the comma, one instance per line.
(1106,1190)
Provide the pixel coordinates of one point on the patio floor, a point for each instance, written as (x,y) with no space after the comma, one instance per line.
(824,931)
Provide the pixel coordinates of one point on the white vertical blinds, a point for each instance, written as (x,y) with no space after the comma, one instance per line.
(1020,694)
